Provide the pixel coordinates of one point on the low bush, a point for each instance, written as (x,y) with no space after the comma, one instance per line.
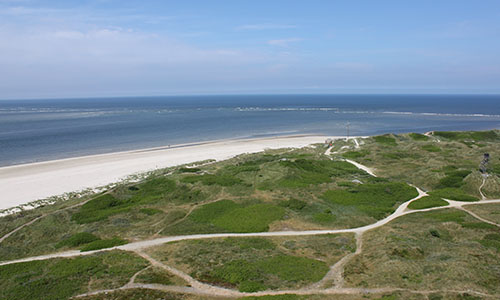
(62,278)
(101,244)
(427,202)
(189,170)
(253,218)
(211,179)
(293,204)
(453,194)
(150,211)
(431,148)
(228,216)
(374,199)
(490,135)
(385,140)
(77,239)
(418,137)
(354,154)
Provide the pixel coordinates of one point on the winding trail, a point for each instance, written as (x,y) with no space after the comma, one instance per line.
(333,278)
(483,197)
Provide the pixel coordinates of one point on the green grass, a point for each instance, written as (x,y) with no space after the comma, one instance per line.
(247,275)
(490,135)
(427,202)
(453,178)
(426,251)
(101,244)
(385,140)
(99,209)
(431,148)
(77,239)
(274,297)
(150,211)
(354,154)
(228,216)
(418,136)
(155,275)
(491,240)
(304,172)
(453,194)
(189,170)
(155,190)
(62,278)
(294,204)
(253,218)
(447,215)
(374,199)
(211,179)
(251,264)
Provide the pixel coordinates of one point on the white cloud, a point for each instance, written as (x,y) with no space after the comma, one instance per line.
(283,42)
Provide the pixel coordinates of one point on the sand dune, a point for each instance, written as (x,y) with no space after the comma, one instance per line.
(25,183)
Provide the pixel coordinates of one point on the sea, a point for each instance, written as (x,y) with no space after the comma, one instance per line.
(48,129)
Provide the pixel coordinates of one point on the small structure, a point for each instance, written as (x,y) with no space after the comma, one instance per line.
(328,142)
(483,166)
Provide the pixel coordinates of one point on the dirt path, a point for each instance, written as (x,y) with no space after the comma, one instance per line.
(136,246)
(334,277)
(40,217)
(483,197)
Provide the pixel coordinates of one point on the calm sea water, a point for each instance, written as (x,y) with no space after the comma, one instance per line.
(38,130)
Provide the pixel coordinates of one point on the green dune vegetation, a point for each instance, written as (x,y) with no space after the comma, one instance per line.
(445,253)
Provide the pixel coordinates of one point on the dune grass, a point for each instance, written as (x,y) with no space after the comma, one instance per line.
(253,264)
(373,199)
(427,202)
(453,194)
(62,278)
(102,244)
(429,250)
(228,216)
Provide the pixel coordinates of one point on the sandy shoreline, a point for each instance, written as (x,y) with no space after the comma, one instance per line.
(21,184)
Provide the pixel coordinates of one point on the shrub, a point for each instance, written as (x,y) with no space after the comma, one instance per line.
(374,199)
(431,148)
(99,209)
(211,179)
(427,202)
(77,239)
(453,194)
(189,170)
(294,268)
(101,244)
(354,154)
(418,137)
(253,218)
(150,211)
(490,135)
(294,204)
(385,140)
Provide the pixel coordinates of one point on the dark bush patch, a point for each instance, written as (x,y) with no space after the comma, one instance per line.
(418,137)
(294,204)
(101,244)
(77,239)
(374,199)
(385,140)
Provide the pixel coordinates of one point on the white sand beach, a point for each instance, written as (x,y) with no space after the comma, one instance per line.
(21,184)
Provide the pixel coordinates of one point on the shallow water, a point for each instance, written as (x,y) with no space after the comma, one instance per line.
(38,130)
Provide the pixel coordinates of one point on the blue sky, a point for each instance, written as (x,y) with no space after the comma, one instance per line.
(126,48)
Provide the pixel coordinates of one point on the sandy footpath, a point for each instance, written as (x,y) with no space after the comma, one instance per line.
(25,183)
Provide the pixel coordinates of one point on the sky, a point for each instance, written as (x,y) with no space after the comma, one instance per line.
(54,49)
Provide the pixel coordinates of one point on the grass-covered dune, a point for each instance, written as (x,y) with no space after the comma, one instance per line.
(254,264)
(446,163)
(444,250)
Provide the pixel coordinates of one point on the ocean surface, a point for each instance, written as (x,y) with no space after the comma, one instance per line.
(39,130)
